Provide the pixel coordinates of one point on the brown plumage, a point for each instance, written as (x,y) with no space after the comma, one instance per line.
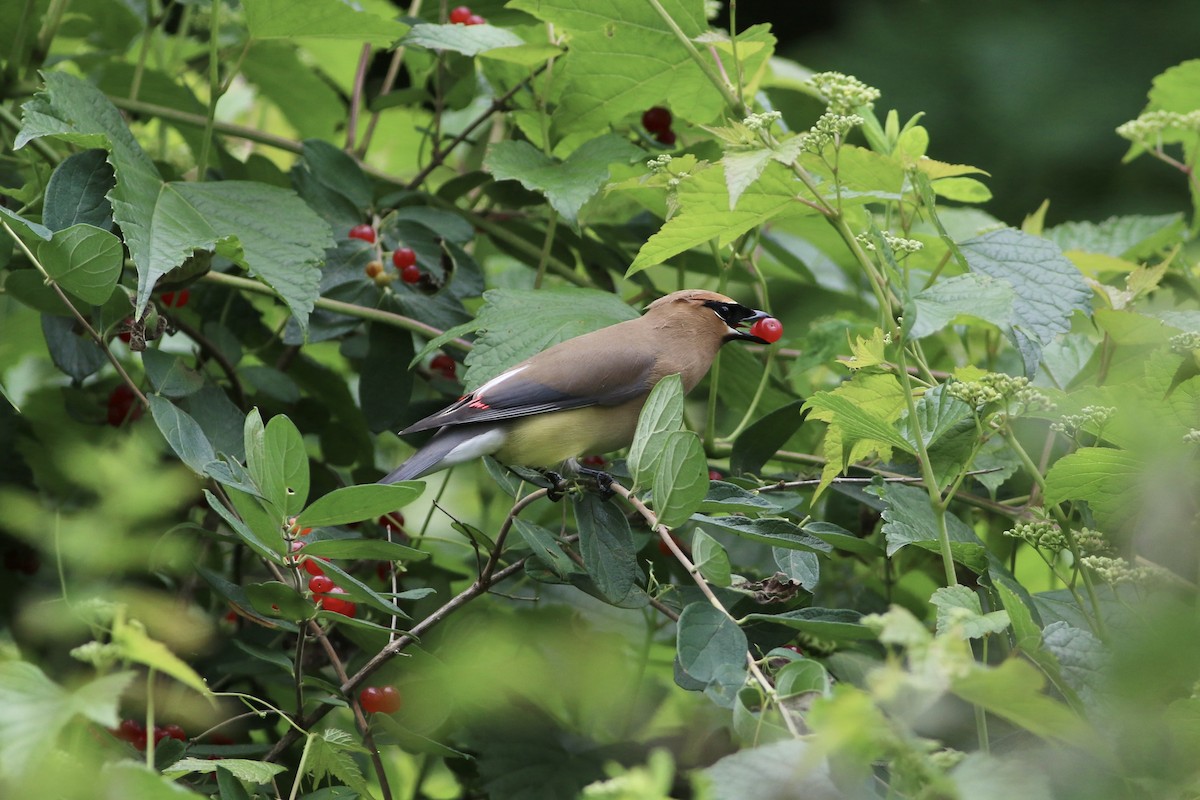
(582,395)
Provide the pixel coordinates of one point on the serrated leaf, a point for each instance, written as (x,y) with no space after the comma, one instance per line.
(470,40)
(182,433)
(938,413)
(84,260)
(567,184)
(330,754)
(1129,238)
(959,608)
(970,295)
(357,503)
(129,637)
(1103,476)
(859,421)
(606,545)
(909,519)
(36,709)
(77,192)
(1047,287)
(255,772)
(742,168)
(320,19)
(680,477)
(509,333)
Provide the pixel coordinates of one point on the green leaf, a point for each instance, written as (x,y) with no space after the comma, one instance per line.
(1132,237)
(275,599)
(661,415)
(981,776)
(77,192)
(1048,288)
(36,709)
(938,413)
(857,421)
(255,772)
(959,608)
(775,532)
(359,592)
(509,333)
(25,226)
(680,477)
(286,465)
(971,295)
(606,544)
(774,772)
(839,538)
(962,190)
(711,649)
(727,498)
(909,519)
(356,503)
(545,545)
(764,437)
(567,185)
(1012,691)
(372,549)
(245,532)
(331,753)
(742,168)
(1105,477)
(130,639)
(800,566)
(383,389)
(169,375)
(332,183)
(710,558)
(838,624)
(802,676)
(85,261)
(1081,657)
(182,433)
(470,40)
(320,19)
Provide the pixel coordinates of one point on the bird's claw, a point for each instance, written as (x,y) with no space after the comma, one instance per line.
(558,485)
(598,481)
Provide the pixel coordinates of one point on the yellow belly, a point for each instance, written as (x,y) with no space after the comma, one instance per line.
(545,440)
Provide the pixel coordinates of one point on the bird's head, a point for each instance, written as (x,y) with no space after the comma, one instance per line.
(723,316)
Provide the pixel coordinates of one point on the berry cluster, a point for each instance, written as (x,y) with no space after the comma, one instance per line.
(134,732)
(404,259)
(463,15)
(380,699)
(657,121)
(328,594)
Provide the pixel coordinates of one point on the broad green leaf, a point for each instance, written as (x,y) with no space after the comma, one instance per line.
(373,549)
(77,192)
(514,324)
(801,676)
(705,215)
(1048,288)
(800,566)
(272,551)
(182,433)
(775,532)
(275,599)
(710,558)
(36,709)
(858,421)
(606,545)
(711,649)
(726,498)
(283,77)
(680,477)
(383,388)
(662,414)
(1081,657)
(839,538)
(938,413)
(765,437)
(332,183)
(169,375)
(24,226)
(792,768)
(236,596)
(838,624)
(1130,238)
(982,776)
(959,607)
(256,772)
(470,40)
(567,184)
(320,19)
(130,639)
(1013,691)
(360,592)
(970,295)
(545,545)
(909,519)
(331,754)
(286,473)
(742,168)
(962,190)
(78,356)
(356,503)
(84,260)
(1105,477)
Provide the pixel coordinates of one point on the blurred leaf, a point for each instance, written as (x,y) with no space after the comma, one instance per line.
(1082,659)
(77,192)
(470,40)
(384,387)
(275,599)
(985,777)
(1130,237)
(182,433)
(959,607)
(1106,478)
(606,545)
(804,675)
(256,772)
(787,769)
(376,549)
(76,354)
(1013,691)
(838,624)
(357,503)
(130,639)
(323,19)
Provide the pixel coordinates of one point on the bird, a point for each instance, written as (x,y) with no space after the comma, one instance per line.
(582,395)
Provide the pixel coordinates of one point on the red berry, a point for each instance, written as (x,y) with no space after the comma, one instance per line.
(394,520)
(332,602)
(173,731)
(444,364)
(715,475)
(122,405)
(364,232)
(310,565)
(656,120)
(593,461)
(374,269)
(666,137)
(305,532)
(475,19)
(665,550)
(380,699)
(129,730)
(175,299)
(320,584)
(460,15)
(404,257)
(795,649)
(768,329)
(383,571)
(410,274)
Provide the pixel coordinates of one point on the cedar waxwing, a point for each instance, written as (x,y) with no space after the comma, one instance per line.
(583,395)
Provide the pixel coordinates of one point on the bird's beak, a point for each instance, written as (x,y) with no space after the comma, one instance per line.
(748,322)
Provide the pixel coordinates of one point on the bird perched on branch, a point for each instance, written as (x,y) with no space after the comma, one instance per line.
(584,395)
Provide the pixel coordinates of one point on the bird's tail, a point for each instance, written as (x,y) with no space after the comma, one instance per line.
(449,446)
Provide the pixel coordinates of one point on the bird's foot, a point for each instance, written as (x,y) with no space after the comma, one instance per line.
(597,481)
(558,485)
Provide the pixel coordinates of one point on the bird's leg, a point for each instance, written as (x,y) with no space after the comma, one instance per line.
(558,485)
(598,480)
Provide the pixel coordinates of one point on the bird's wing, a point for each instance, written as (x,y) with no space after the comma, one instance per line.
(582,376)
